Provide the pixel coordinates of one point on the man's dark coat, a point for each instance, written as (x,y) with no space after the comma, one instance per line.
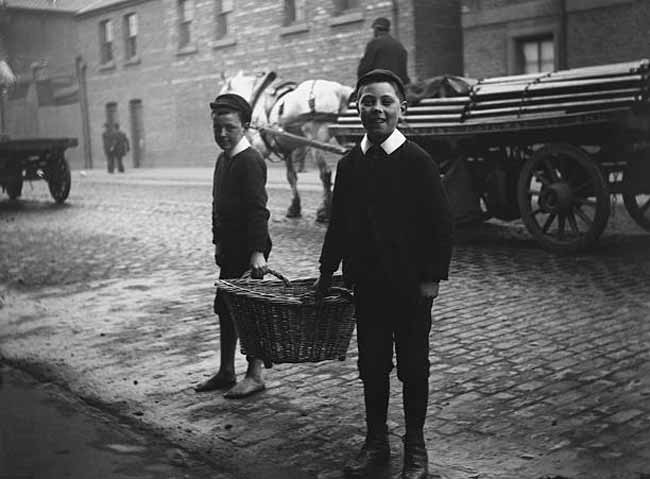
(387,53)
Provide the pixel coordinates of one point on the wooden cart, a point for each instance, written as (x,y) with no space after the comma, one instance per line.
(33,159)
(550,148)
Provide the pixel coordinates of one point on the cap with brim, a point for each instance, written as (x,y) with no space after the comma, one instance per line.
(381,23)
(233,102)
(379,75)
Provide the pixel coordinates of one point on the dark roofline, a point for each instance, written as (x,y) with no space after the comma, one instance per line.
(59,11)
(118,5)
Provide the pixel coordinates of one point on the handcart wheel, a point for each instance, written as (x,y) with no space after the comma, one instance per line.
(563,198)
(14,186)
(58,178)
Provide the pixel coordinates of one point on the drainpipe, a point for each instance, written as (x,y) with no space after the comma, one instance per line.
(85,116)
(396,18)
(563,60)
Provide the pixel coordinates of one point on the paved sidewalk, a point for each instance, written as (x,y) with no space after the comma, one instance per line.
(276,176)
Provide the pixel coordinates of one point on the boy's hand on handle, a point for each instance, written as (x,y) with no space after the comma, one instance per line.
(322,285)
(258,265)
(429,289)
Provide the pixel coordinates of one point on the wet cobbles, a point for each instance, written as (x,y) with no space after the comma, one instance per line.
(540,363)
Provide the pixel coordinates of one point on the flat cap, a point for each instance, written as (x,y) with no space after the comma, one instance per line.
(381,75)
(381,23)
(233,102)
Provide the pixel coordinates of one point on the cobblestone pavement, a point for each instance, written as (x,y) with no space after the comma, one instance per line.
(540,363)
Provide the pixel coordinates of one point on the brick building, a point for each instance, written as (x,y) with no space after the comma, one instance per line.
(153,65)
(504,37)
(38,40)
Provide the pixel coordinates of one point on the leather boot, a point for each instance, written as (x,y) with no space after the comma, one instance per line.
(374,456)
(416,461)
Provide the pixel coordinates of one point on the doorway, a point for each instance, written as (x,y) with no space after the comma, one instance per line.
(137,132)
(111,113)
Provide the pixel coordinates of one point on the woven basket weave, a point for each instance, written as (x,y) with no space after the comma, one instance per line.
(279,321)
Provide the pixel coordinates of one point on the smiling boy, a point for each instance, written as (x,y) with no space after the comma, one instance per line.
(391,227)
(239,231)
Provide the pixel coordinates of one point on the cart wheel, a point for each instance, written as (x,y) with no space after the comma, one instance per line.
(638,206)
(637,197)
(58,179)
(14,187)
(563,198)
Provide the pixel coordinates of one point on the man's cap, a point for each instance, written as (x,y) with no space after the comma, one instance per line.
(233,102)
(381,23)
(381,75)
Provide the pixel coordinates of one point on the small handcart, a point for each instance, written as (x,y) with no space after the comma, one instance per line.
(34,159)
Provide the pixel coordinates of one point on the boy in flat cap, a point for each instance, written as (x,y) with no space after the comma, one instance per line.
(391,227)
(239,230)
(384,52)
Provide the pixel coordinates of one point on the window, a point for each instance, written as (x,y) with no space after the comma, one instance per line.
(106,41)
(294,11)
(342,6)
(185,17)
(223,9)
(130,35)
(536,55)
(111,113)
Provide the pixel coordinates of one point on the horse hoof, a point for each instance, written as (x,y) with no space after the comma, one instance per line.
(322,219)
(293,213)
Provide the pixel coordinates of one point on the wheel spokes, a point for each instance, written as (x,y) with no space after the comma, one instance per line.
(581,214)
(561,225)
(548,222)
(645,207)
(573,223)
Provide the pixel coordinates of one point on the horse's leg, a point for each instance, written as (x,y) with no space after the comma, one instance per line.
(323,212)
(292,178)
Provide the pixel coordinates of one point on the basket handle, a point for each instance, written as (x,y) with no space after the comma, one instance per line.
(281,277)
(346,293)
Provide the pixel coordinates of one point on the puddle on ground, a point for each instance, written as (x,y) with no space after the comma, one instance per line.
(46,433)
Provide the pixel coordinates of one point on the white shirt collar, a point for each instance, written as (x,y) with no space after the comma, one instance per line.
(390,144)
(239,147)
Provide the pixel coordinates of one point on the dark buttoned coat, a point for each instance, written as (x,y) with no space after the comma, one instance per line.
(239,212)
(404,204)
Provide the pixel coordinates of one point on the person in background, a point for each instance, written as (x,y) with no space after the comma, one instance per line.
(384,52)
(121,147)
(108,140)
(392,228)
(239,231)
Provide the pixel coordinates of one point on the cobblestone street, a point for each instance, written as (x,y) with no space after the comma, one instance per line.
(540,363)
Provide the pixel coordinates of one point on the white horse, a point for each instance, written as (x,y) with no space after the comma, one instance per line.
(305,110)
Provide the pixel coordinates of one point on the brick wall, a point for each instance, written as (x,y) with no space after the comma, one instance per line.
(612,34)
(438,38)
(175,85)
(597,31)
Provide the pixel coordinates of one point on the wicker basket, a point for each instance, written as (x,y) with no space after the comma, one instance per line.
(279,321)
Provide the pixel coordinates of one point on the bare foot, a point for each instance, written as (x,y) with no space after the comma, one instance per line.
(218,381)
(245,388)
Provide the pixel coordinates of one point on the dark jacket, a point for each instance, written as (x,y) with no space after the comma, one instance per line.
(407,209)
(121,143)
(239,212)
(384,52)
